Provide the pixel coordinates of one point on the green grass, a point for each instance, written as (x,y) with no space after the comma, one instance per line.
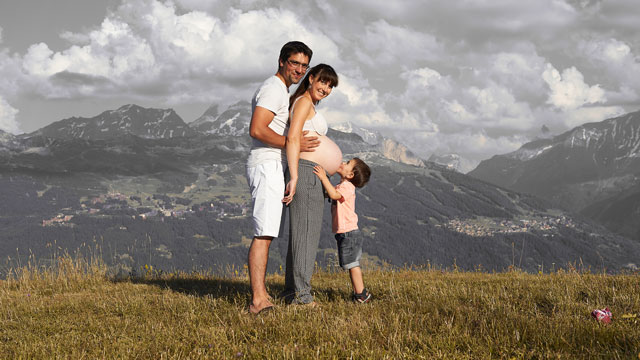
(76,310)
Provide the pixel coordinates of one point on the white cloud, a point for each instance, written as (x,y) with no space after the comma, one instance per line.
(472,145)
(460,76)
(569,91)
(520,73)
(8,121)
(355,101)
(114,52)
(496,108)
(585,115)
(145,48)
(616,63)
(383,44)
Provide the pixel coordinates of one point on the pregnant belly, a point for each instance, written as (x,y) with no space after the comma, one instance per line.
(327,154)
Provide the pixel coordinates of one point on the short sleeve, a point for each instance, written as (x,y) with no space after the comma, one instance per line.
(347,190)
(270,98)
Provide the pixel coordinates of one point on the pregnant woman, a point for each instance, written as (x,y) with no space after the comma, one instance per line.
(304,192)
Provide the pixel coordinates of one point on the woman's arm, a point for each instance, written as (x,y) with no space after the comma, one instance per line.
(301,111)
(328,186)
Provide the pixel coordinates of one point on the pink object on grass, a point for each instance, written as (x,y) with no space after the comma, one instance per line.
(603,315)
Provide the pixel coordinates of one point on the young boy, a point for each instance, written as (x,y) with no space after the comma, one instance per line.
(354,173)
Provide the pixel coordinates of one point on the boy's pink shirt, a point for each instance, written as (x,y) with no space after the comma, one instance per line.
(343,211)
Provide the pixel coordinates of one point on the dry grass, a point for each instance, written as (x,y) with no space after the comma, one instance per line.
(74,310)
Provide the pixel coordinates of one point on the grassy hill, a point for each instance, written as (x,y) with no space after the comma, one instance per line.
(76,309)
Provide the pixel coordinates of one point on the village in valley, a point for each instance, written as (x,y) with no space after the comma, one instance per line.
(148,207)
(160,206)
(488,227)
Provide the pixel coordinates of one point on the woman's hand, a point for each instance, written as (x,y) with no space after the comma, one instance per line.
(289,191)
(319,171)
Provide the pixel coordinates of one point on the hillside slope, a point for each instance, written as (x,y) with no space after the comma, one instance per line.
(595,163)
(76,311)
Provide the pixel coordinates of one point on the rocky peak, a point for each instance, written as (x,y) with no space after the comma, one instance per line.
(129,119)
(395,151)
(233,121)
(8,141)
(369,136)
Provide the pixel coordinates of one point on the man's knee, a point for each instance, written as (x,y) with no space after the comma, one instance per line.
(260,246)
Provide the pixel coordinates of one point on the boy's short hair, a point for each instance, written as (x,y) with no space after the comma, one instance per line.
(294,47)
(361,173)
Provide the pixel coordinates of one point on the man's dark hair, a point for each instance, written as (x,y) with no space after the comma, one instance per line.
(361,173)
(294,47)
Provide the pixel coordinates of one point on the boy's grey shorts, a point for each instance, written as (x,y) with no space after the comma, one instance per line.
(349,248)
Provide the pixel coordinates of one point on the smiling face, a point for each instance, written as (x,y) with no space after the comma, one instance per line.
(319,89)
(294,68)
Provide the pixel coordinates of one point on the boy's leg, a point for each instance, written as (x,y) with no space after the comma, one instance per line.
(356,279)
(349,253)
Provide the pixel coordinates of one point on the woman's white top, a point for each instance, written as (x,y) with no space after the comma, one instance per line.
(317,123)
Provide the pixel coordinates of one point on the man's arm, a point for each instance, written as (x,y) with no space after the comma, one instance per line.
(259,129)
(328,186)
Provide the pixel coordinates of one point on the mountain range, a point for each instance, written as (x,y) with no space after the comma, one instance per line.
(593,169)
(161,192)
(126,120)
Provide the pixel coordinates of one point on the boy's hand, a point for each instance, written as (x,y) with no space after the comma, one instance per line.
(319,171)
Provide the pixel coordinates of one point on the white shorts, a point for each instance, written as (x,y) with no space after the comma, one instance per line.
(266,181)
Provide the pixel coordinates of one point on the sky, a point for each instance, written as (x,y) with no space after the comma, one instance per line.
(469,77)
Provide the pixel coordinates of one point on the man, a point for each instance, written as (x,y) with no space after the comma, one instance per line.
(265,166)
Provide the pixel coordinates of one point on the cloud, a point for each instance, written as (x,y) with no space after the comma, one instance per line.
(569,91)
(472,145)
(616,64)
(114,52)
(8,121)
(146,48)
(0,34)
(585,115)
(462,76)
(383,45)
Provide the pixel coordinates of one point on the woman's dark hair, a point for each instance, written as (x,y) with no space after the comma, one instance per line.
(294,47)
(361,173)
(320,72)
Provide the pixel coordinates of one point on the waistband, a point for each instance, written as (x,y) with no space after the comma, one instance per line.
(307,163)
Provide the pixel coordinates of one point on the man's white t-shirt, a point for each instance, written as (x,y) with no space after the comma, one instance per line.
(272,95)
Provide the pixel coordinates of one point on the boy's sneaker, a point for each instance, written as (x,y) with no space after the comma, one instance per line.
(362,298)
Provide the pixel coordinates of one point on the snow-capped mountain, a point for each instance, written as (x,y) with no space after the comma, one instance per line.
(389,148)
(127,120)
(234,121)
(8,141)
(450,161)
(369,136)
(586,153)
(592,163)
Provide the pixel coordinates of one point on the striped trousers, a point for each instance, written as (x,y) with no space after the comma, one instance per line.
(305,221)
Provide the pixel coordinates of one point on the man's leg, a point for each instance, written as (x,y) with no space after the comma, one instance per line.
(258,258)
